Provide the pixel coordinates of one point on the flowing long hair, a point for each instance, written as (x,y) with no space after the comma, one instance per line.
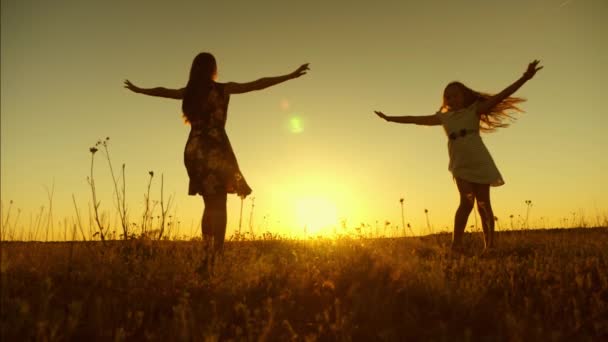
(202,75)
(498,117)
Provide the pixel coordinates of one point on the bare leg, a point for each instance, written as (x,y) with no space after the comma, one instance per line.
(207,231)
(484,206)
(207,226)
(219,233)
(214,220)
(467,199)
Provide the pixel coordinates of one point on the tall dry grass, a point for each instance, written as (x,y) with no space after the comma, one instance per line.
(539,285)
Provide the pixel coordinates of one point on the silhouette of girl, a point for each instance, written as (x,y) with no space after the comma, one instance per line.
(463,114)
(208,156)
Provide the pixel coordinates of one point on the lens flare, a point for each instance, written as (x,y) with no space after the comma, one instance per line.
(295,125)
(284,104)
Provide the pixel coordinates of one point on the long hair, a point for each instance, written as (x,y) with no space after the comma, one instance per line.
(498,117)
(202,74)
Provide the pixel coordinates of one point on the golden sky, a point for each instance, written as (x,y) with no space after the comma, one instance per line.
(312,149)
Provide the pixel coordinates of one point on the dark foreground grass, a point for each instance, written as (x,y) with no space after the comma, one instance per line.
(538,285)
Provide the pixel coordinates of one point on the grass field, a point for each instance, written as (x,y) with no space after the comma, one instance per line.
(547,285)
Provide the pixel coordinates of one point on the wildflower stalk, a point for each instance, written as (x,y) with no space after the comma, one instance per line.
(163,210)
(428,223)
(402,217)
(528,204)
(410,228)
(163,213)
(120,203)
(147,203)
(124,200)
(91,181)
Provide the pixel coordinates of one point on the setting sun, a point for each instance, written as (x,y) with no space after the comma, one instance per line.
(313,203)
(316,214)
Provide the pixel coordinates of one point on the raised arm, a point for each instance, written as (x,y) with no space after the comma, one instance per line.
(177,94)
(487,105)
(426,120)
(262,83)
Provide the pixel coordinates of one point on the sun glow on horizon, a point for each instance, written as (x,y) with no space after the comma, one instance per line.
(313,203)
(315,214)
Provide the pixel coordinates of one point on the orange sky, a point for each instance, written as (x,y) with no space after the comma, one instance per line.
(312,149)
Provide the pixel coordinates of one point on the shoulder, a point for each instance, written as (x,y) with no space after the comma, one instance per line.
(443,115)
(473,108)
(232,88)
(222,88)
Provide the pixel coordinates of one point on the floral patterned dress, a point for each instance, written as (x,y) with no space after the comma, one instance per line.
(208,156)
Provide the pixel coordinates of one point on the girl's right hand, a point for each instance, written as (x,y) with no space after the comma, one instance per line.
(132,87)
(380,114)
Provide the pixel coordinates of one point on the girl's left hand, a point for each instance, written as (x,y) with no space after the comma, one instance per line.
(300,71)
(532,69)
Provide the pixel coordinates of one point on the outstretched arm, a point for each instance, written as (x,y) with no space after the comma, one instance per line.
(488,104)
(239,88)
(426,120)
(177,94)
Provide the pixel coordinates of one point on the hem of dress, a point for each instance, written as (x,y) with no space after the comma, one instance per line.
(200,193)
(496,183)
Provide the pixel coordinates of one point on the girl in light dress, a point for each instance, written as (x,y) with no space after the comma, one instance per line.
(464,114)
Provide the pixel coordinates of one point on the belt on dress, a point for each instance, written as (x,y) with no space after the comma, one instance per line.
(461,133)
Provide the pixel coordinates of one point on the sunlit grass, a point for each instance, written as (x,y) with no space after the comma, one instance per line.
(540,285)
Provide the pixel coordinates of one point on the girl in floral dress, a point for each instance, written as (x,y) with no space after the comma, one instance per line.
(210,161)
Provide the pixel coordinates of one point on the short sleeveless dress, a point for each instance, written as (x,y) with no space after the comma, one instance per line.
(208,156)
(470,160)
